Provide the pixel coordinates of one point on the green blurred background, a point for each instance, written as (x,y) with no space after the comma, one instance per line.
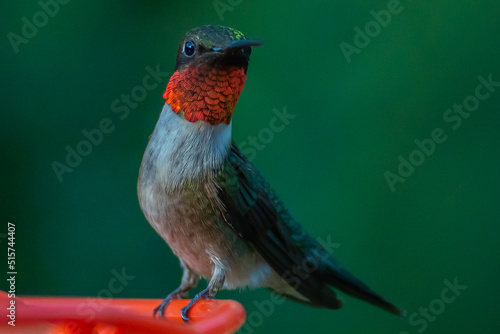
(352,122)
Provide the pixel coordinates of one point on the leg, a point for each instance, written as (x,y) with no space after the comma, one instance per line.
(189,281)
(215,284)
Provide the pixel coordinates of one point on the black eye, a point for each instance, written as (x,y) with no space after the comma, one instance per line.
(189,49)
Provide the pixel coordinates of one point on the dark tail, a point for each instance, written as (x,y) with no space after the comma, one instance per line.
(343,280)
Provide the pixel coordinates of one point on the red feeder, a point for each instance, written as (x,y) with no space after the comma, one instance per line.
(86,315)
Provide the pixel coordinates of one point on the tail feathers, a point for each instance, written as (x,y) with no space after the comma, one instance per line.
(347,283)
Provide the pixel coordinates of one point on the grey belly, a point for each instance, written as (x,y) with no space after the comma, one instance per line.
(195,230)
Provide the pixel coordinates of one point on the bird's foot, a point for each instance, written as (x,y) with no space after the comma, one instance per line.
(176,294)
(205,294)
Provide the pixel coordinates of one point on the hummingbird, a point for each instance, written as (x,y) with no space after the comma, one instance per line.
(211,205)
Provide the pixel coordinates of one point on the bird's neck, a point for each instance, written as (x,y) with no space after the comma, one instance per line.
(181,152)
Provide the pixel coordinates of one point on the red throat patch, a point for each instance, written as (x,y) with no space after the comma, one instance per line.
(205,94)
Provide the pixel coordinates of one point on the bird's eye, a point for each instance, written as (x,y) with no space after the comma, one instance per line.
(189,49)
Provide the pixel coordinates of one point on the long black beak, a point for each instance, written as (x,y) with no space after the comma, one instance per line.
(242,43)
(239,44)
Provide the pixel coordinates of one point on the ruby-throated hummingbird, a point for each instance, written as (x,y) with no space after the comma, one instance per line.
(211,205)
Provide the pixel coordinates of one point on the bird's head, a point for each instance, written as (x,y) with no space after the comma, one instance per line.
(209,75)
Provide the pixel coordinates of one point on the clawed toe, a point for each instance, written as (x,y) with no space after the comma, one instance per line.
(185,310)
(160,309)
(184,314)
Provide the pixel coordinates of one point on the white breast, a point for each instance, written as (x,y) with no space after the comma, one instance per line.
(181,151)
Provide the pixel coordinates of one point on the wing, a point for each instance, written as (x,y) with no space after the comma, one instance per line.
(254,212)
(257,215)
